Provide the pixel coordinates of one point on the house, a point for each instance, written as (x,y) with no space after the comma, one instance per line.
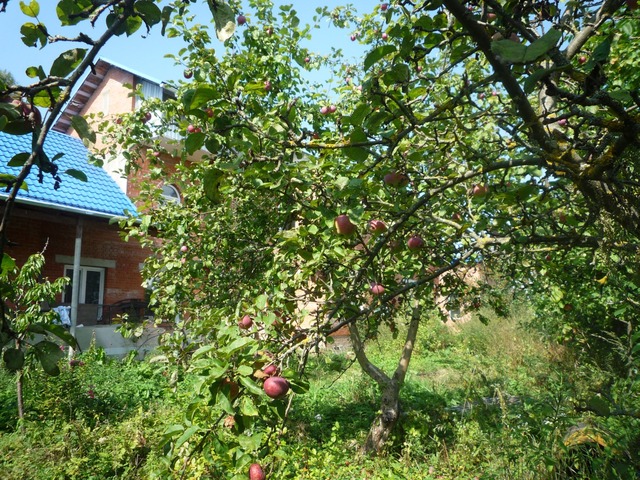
(75,223)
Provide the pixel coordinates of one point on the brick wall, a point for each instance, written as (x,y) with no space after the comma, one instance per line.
(33,229)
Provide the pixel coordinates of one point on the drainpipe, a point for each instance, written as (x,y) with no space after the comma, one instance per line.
(75,282)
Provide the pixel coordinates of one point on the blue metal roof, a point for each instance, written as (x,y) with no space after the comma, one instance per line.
(99,196)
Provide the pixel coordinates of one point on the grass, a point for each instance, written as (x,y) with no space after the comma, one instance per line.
(519,396)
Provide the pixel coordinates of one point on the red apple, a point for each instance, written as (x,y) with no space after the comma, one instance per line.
(479,190)
(267,85)
(307,59)
(184,249)
(241,19)
(582,59)
(562,122)
(188,74)
(491,17)
(415,243)
(245,322)
(353,37)
(377,226)
(396,179)
(384,35)
(384,7)
(568,307)
(191,129)
(275,387)
(377,289)
(344,225)
(256,472)
(209,112)
(324,110)
(270,370)
(332,109)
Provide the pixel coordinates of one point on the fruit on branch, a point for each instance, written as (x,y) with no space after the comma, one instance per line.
(209,112)
(245,322)
(324,110)
(415,243)
(184,249)
(377,289)
(396,179)
(146,117)
(456,217)
(307,59)
(275,387)
(384,35)
(567,307)
(267,85)
(491,17)
(256,472)
(582,59)
(270,370)
(384,7)
(377,226)
(188,74)
(241,19)
(332,109)
(344,225)
(479,190)
(353,37)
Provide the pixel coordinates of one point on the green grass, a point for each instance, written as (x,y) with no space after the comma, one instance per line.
(536,387)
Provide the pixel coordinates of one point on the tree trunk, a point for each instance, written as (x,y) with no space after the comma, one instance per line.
(389,414)
(386,420)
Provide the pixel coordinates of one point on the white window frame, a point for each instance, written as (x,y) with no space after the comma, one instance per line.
(83,283)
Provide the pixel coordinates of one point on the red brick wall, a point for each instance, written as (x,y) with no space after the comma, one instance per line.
(32,229)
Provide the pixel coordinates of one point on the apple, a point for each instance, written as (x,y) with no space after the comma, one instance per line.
(156,154)
(497,36)
(377,226)
(456,217)
(562,122)
(269,31)
(514,37)
(562,217)
(324,110)
(481,96)
(384,7)
(396,179)
(241,19)
(415,243)
(256,472)
(245,322)
(267,85)
(344,225)
(270,370)
(275,387)
(353,37)
(184,249)
(332,109)
(495,93)
(491,16)
(582,59)
(188,74)
(419,68)
(146,117)
(191,129)
(479,190)
(384,35)
(118,120)
(567,307)
(377,289)
(209,112)
(307,59)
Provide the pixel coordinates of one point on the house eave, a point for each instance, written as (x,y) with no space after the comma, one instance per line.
(67,208)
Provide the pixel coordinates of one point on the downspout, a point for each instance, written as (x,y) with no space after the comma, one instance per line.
(75,282)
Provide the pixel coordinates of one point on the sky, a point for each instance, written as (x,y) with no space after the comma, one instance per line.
(144,55)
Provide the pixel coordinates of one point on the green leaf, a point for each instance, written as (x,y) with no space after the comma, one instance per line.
(194,99)
(67,62)
(82,128)
(377,54)
(72,12)
(7,180)
(186,435)
(250,443)
(8,265)
(224,19)
(236,345)
(13,358)
(166,17)
(261,302)
(77,174)
(48,353)
(359,154)
(30,10)
(149,12)
(252,386)
(194,142)
(542,45)
(599,405)
(245,370)
(211,184)
(248,408)
(18,127)
(32,34)
(509,51)
(33,72)
(19,159)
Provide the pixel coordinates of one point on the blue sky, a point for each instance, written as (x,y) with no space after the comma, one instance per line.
(145,55)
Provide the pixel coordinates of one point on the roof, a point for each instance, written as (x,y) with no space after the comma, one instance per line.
(88,87)
(99,196)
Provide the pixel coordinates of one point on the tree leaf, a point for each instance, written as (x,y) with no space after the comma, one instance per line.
(199,97)
(13,358)
(77,174)
(49,353)
(166,17)
(67,62)
(542,45)
(224,19)
(8,265)
(32,34)
(82,128)
(30,10)
(186,435)
(19,159)
(194,142)
(377,54)
(149,12)
(509,51)
(211,184)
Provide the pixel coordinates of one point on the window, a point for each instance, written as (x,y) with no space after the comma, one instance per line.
(170,193)
(91,285)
